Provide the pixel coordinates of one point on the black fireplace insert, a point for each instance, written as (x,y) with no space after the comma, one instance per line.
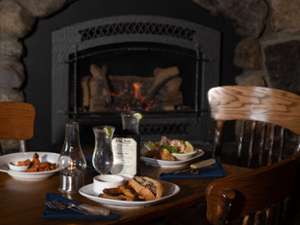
(162,67)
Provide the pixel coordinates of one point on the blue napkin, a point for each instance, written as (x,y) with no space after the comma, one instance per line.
(50,213)
(210,172)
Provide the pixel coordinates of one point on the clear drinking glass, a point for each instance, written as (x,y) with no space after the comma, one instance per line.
(103,156)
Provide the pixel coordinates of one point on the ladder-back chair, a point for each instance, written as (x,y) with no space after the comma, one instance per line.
(269,122)
(254,197)
(17,121)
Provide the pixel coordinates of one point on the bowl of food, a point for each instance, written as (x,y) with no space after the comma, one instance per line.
(30,166)
(170,149)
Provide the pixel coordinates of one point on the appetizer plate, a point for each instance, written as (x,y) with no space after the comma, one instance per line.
(169,163)
(170,190)
(28,176)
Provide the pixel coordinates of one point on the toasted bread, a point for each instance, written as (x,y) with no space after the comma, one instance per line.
(147,188)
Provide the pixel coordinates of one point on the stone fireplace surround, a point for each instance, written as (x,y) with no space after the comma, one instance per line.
(268,53)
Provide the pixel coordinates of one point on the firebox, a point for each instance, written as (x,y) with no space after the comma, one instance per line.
(162,67)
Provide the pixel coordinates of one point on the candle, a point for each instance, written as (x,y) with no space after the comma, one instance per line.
(72,166)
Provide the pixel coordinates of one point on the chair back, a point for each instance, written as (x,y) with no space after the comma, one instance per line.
(251,197)
(16,120)
(266,118)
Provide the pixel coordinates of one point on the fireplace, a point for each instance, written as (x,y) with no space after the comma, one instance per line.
(142,77)
(158,65)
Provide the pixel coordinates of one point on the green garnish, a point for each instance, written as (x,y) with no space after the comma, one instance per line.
(170,148)
(150,145)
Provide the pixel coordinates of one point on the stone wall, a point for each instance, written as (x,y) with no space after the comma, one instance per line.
(269,52)
(17,17)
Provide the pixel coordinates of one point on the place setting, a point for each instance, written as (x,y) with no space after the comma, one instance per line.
(179,159)
(119,183)
(116,158)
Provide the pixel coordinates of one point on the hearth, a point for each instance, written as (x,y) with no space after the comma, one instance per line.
(160,66)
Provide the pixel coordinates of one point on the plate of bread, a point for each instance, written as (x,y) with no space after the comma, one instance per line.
(139,191)
(169,152)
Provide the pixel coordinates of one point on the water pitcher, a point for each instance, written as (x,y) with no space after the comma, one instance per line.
(71,160)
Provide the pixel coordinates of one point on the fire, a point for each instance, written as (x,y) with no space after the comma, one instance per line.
(136,88)
(136,100)
(137,91)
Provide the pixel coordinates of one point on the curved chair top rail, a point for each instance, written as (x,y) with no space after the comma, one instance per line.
(16,120)
(256,103)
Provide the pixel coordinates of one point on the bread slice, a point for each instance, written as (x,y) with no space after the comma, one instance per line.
(158,185)
(144,190)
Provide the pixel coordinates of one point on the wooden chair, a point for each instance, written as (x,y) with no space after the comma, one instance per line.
(268,120)
(254,197)
(17,121)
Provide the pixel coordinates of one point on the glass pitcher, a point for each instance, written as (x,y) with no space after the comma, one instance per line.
(71,160)
(103,156)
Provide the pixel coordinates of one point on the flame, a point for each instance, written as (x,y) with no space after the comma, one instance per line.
(137,91)
(137,94)
(138,98)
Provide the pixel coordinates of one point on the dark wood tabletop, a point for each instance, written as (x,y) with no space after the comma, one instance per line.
(23,202)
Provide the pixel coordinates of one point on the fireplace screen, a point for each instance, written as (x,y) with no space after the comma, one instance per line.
(160,66)
(139,77)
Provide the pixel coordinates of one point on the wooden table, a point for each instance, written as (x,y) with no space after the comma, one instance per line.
(22,203)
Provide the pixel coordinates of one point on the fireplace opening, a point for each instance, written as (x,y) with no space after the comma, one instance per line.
(145,77)
(160,66)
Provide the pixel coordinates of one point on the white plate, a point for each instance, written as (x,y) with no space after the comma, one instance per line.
(28,176)
(169,188)
(169,163)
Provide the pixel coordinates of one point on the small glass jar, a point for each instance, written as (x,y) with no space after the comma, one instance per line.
(71,160)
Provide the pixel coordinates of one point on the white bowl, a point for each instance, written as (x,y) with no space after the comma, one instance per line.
(101,182)
(185,156)
(28,176)
(14,167)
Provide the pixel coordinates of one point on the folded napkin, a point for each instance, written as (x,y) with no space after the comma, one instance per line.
(50,213)
(210,172)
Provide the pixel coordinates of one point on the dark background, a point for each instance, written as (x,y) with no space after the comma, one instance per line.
(38,45)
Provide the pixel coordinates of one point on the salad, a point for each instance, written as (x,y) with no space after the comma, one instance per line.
(165,148)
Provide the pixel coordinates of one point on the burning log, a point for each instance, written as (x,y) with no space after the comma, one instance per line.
(167,81)
(143,93)
(99,89)
(85,92)
(95,90)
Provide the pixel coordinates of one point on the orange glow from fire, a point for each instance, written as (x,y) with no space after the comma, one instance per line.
(137,91)
(139,98)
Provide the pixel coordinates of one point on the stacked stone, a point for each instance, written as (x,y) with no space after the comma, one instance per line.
(17,18)
(269,52)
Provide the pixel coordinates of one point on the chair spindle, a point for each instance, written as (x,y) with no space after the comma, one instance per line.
(262,144)
(218,138)
(251,143)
